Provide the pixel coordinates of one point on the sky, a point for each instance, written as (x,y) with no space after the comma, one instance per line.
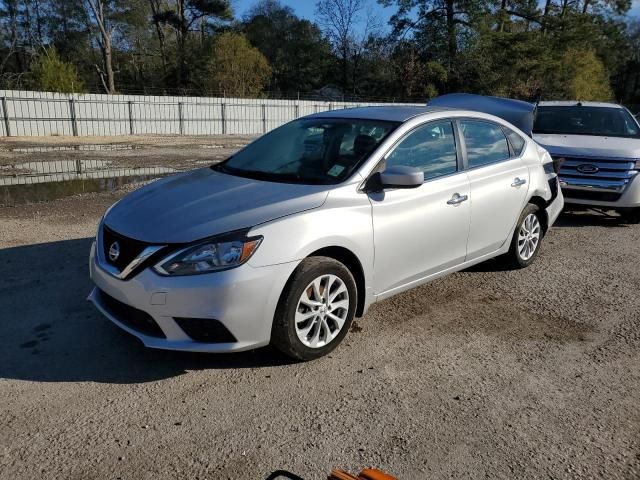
(303,8)
(306,8)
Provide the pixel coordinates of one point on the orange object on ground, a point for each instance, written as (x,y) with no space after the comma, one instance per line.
(366,474)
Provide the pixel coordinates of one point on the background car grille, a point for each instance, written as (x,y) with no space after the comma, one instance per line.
(612,174)
(597,196)
(129,248)
(131,317)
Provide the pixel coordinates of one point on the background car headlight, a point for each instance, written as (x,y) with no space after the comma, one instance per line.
(209,256)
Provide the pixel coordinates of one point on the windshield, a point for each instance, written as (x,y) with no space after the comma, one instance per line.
(581,120)
(309,151)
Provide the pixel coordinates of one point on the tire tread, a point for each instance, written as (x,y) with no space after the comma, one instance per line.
(281,335)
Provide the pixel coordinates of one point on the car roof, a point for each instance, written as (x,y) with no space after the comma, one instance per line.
(392,113)
(573,103)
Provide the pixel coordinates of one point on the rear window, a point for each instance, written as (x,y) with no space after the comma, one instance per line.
(485,142)
(517,142)
(585,120)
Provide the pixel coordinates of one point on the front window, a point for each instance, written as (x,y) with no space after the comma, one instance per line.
(430,148)
(309,151)
(582,120)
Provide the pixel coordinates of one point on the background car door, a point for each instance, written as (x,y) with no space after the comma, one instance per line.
(499,182)
(423,230)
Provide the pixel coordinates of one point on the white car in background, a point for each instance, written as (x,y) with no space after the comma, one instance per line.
(306,227)
(598,147)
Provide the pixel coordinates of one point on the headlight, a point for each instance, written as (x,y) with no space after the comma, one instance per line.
(209,256)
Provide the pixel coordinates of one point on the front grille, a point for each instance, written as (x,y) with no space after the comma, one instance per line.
(206,330)
(612,174)
(131,317)
(129,248)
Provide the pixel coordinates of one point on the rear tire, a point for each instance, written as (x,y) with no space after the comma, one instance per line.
(526,240)
(631,215)
(315,310)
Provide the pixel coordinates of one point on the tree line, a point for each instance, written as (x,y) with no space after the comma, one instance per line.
(529,49)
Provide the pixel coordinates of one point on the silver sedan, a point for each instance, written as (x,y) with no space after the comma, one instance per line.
(305,228)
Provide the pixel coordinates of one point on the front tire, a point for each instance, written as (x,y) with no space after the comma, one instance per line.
(315,310)
(527,238)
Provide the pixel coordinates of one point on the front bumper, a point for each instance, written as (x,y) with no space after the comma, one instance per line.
(243,299)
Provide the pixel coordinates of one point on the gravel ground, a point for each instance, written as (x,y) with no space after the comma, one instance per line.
(484,374)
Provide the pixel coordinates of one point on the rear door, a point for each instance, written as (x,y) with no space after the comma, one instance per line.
(498,180)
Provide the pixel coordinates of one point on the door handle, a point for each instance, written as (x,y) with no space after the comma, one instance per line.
(457,199)
(518,182)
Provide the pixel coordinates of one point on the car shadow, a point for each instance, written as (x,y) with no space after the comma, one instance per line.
(590,218)
(568,219)
(491,265)
(49,332)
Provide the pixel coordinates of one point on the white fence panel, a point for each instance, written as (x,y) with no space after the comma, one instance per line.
(24,113)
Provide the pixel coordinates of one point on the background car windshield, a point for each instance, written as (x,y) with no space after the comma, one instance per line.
(313,151)
(581,120)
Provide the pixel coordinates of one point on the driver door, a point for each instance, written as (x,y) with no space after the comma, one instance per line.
(421,231)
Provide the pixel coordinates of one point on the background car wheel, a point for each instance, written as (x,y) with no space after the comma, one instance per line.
(527,238)
(316,309)
(631,215)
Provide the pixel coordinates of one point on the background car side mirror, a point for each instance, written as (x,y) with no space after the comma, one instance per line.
(396,177)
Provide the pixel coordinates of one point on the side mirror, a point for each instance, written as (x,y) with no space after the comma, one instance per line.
(401,177)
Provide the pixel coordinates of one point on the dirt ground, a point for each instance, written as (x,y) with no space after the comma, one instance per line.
(484,374)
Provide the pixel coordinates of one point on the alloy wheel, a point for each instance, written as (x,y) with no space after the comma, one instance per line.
(322,311)
(529,236)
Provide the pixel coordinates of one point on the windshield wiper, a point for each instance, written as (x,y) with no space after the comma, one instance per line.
(219,167)
(262,175)
(269,176)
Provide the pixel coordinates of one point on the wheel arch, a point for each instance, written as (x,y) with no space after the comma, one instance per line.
(541,203)
(352,262)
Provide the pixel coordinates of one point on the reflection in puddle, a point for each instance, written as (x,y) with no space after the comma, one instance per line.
(71,148)
(21,173)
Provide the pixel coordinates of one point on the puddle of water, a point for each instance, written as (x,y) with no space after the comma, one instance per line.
(231,145)
(59,166)
(45,191)
(70,148)
(62,170)
(29,179)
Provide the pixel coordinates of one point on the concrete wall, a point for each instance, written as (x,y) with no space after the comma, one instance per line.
(42,113)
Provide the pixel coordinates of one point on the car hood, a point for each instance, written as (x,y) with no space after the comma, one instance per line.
(589,146)
(202,203)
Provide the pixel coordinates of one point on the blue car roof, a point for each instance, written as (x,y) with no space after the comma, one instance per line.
(517,112)
(392,113)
